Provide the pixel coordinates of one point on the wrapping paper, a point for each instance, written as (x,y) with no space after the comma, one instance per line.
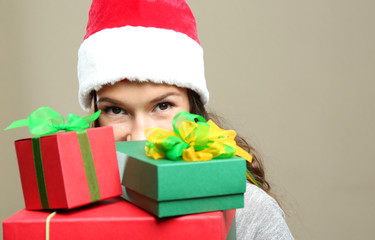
(169,188)
(118,219)
(63,178)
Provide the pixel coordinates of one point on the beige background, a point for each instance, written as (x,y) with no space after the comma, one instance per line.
(295,77)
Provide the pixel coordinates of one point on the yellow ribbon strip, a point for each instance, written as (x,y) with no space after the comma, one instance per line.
(47,224)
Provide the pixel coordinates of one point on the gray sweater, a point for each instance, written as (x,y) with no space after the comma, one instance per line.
(261,218)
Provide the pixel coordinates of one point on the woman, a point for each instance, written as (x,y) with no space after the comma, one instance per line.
(141,63)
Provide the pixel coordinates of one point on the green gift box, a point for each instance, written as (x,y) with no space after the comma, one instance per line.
(171,188)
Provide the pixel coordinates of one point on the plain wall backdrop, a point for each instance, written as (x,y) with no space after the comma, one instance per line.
(296,78)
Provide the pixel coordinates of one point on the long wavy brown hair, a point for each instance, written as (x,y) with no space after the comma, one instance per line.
(196,107)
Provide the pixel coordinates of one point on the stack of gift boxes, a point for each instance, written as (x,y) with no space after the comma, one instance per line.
(83,185)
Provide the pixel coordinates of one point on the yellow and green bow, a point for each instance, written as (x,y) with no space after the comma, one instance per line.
(194,139)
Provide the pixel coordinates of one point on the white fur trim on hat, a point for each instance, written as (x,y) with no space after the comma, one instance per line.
(140,54)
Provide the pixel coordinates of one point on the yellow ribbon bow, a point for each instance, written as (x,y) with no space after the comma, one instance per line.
(194,139)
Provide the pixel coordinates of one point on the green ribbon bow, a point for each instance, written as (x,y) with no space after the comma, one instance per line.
(44,121)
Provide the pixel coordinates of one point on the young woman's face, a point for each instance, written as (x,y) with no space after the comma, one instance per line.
(132,107)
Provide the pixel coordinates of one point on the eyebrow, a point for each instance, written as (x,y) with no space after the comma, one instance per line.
(109,100)
(157,99)
(164,96)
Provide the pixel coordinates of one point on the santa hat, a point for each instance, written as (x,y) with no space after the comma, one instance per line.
(140,40)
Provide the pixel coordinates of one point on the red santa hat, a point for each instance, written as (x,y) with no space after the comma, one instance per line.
(140,40)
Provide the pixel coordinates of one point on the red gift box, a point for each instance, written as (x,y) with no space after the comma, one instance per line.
(118,219)
(70,169)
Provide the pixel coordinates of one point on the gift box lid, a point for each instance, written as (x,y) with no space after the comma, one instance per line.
(116,219)
(165,180)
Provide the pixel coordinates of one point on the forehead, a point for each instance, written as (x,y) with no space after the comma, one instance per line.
(139,89)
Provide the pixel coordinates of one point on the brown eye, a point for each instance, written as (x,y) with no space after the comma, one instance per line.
(116,110)
(163,106)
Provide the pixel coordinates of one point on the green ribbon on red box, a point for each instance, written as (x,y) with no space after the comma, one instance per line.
(44,121)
